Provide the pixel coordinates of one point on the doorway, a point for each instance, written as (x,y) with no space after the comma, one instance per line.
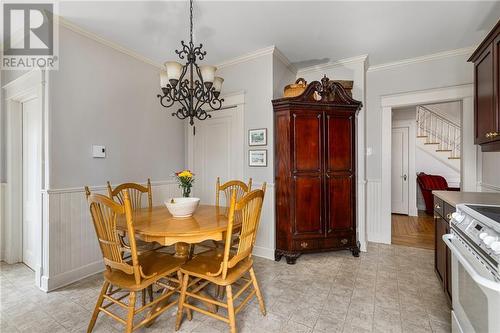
(468,167)
(399,167)
(31,180)
(26,172)
(216,148)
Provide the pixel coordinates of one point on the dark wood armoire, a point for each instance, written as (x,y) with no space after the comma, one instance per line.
(315,171)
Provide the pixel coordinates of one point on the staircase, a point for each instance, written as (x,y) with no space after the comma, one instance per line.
(439,136)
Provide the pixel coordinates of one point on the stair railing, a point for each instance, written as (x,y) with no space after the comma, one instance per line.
(439,130)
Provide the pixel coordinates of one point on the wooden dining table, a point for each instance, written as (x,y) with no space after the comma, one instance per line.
(156,224)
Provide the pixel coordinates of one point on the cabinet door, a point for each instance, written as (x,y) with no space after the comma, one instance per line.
(306,142)
(339,172)
(340,209)
(339,141)
(307,159)
(485,109)
(440,254)
(308,222)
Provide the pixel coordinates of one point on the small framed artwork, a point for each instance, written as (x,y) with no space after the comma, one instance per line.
(257,137)
(257,158)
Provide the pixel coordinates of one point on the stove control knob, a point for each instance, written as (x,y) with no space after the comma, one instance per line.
(495,247)
(458,217)
(483,235)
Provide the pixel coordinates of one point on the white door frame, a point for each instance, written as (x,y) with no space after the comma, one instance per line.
(236,102)
(412,175)
(30,85)
(468,167)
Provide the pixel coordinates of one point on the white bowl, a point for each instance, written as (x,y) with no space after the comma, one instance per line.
(182,207)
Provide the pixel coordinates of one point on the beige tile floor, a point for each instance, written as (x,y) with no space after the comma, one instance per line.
(388,289)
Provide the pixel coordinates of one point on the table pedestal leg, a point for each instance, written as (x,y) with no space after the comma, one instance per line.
(182,250)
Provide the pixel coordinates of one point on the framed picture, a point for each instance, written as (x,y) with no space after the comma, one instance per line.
(257,158)
(257,137)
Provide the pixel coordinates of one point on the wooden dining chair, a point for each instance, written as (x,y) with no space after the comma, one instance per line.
(135,191)
(228,187)
(129,276)
(227,267)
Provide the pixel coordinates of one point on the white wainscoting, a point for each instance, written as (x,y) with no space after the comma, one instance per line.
(3,192)
(265,243)
(72,244)
(376,228)
(484,187)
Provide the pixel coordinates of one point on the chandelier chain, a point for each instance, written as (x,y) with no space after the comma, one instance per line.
(191,20)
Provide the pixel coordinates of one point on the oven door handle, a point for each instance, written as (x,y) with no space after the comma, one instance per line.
(487,283)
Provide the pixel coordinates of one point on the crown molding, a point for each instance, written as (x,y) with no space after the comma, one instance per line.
(440,55)
(247,57)
(342,62)
(283,58)
(75,28)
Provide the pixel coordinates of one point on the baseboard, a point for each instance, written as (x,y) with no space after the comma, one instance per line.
(55,282)
(263,252)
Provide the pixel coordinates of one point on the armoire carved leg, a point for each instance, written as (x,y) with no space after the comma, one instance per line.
(291,257)
(355,250)
(278,254)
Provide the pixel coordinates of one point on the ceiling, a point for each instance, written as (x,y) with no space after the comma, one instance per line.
(306,32)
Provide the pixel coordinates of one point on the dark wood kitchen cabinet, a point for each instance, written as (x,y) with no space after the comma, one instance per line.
(442,254)
(486,61)
(315,171)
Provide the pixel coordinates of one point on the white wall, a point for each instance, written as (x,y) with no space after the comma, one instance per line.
(101,96)
(254,77)
(449,110)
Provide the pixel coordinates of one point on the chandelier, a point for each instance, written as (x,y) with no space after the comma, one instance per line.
(194,87)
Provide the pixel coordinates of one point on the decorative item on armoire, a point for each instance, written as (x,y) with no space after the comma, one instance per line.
(315,170)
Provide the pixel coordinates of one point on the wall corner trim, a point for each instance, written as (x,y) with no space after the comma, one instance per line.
(434,56)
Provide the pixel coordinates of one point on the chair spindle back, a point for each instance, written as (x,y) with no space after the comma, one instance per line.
(227,188)
(135,192)
(104,212)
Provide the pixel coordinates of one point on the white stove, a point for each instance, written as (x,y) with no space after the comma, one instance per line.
(475,245)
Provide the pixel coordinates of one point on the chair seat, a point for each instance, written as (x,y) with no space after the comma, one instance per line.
(151,262)
(210,262)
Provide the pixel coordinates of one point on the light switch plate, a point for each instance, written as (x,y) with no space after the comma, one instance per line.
(369,151)
(98,151)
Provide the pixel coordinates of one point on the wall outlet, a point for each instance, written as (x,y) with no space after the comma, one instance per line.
(98,151)
(369,151)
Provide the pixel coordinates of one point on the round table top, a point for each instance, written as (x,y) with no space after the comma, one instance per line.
(158,222)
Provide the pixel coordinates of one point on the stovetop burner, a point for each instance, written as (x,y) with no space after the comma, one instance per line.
(492,212)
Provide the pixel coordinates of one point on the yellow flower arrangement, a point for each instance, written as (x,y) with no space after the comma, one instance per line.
(185,179)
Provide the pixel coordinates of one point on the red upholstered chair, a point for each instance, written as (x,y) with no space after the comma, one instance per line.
(429,183)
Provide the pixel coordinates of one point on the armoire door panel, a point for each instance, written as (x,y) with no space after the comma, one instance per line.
(339,141)
(307,206)
(306,129)
(339,194)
